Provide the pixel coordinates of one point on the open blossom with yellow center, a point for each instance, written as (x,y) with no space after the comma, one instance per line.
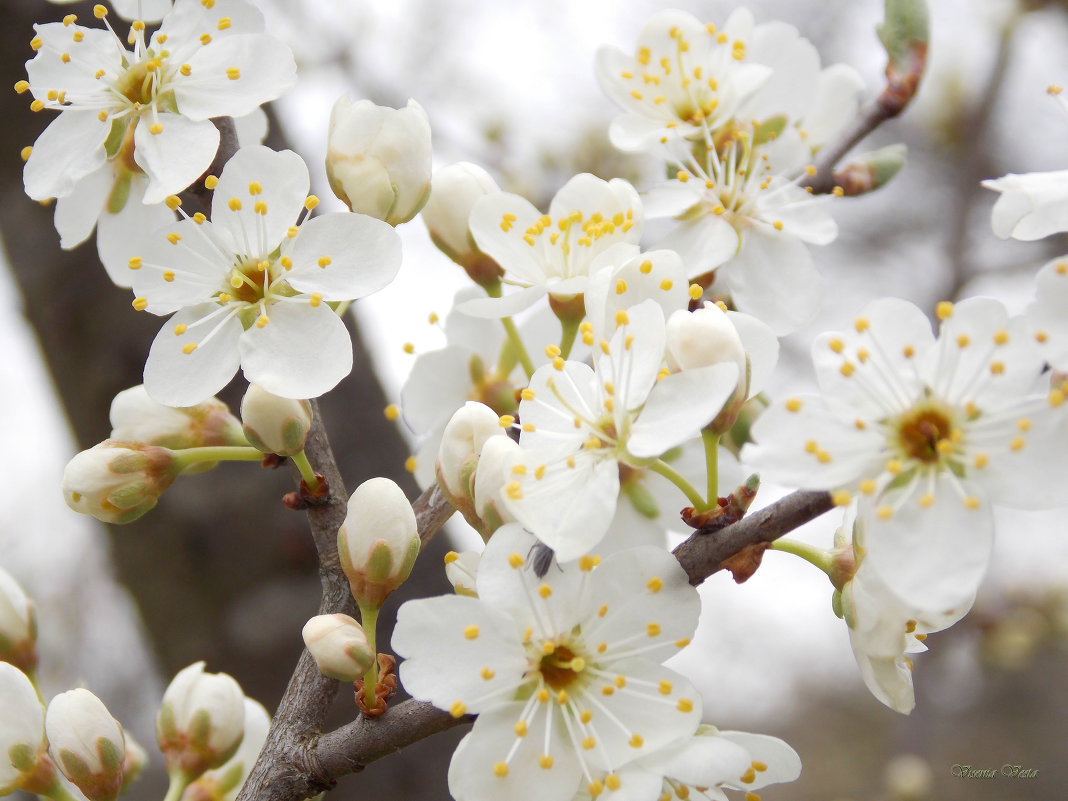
(253,288)
(580,424)
(149,108)
(590,223)
(931,430)
(737,113)
(563,671)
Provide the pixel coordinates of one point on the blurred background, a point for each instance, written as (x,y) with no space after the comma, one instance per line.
(219,572)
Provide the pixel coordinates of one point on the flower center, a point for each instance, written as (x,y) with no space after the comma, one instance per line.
(248,281)
(924,433)
(561,668)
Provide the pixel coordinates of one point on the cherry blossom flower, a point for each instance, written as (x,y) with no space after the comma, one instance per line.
(579,424)
(932,430)
(253,288)
(738,113)
(147,111)
(554,253)
(563,671)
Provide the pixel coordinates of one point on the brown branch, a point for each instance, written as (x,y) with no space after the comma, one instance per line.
(353,746)
(287,765)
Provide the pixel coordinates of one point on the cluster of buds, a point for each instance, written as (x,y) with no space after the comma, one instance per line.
(378,158)
(472,445)
(135,417)
(118,482)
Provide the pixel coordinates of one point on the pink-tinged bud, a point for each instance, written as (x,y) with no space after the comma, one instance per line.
(454,190)
(703,338)
(135,417)
(133,762)
(117,482)
(378,158)
(225,782)
(461,443)
(273,424)
(378,541)
(23,748)
(18,625)
(86,743)
(338,646)
(201,720)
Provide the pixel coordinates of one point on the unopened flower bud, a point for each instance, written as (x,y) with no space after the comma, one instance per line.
(23,748)
(201,720)
(703,338)
(338,646)
(454,191)
(869,171)
(378,158)
(117,482)
(135,417)
(134,761)
(18,625)
(492,473)
(378,541)
(461,443)
(273,424)
(225,782)
(86,743)
(461,569)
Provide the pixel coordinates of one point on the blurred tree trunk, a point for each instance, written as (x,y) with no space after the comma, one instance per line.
(220,569)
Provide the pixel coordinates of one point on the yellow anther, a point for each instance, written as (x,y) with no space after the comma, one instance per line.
(971,502)
(471,632)
(286,262)
(135,263)
(506,421)
(324,261)
(520,728)
(1056,397)
(1054,89)
(37,105)
(545,590)
(543,695)
(997,368)
(458,709)
(539,472)
(884,512)
(410,464)
(652,629)
(234,204)
(636,741)
(100,11)
(558,363)
(621,286)
(168,276)
(841,498)
(260,207)
(594,788)
(944,310)
(514,491)
(603,610)
(620,681)
(515,560)
(224,23)
(1001,337)
(963,341)
(867,486)
(749,776)
(561,697)
(500,770)
(189,347)
(836,345)
(793,405)
(666,284)
(262,320)
(1017,444)
(944,446)
(552,351)
(759,766)
(155,128)
(1024,424)
(587,563)
(545,761)
(180,329)
(392,412)
(140,304)
(205,38)
(451,557)
(487,673)
(755,796)
(777,225)
(927,500)
(186,70)
(861,324)
(684,705)
(408,348)
(622,318)
(589,743)
(847,369)
(174,237)
(655,584)
(224,298)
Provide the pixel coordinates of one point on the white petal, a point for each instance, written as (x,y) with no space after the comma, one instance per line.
(784,765)
(773,278)
(679,405)
(835,105)
(175,378)
(704,243)
(118,235)
(77,212)
(265,67)
(70,148)
(303,352)
(175,157)
(364,256)
(260,175)
(706,761)
(761,346)
(517,258)
(504,306)
(438,385)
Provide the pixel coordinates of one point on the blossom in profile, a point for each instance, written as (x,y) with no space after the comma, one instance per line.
(256,285)
(1030,206)
(562,670)
(554,254)
(1047,316)
(931,431)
